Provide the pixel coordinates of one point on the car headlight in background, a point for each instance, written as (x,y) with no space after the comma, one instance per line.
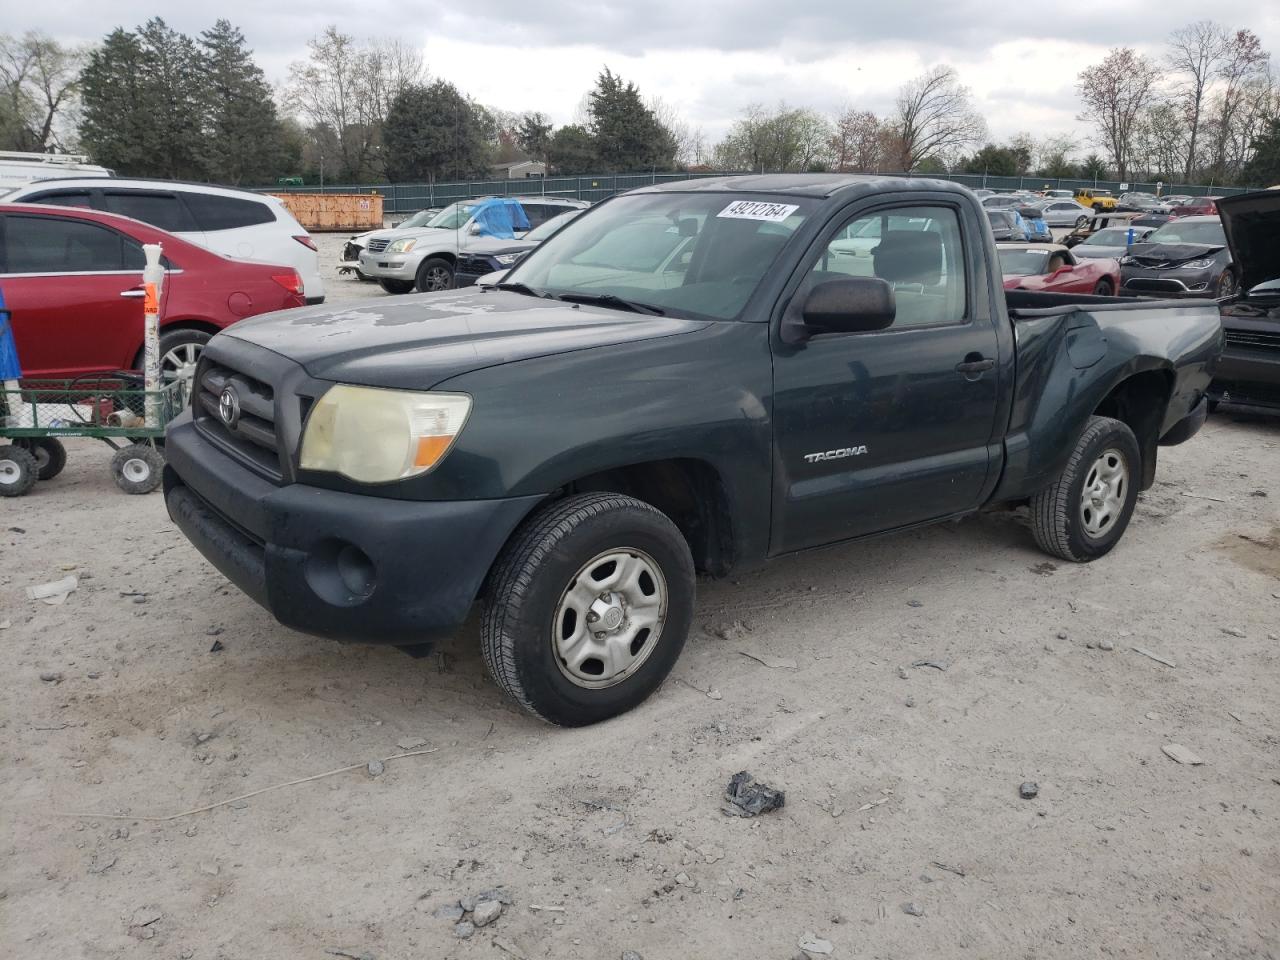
(401,246)
(1196,265)
(507,259)
(372,435)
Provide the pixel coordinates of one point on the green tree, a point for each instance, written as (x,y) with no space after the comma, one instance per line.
(243,139)
(993,160)
(1263,169)
(573,151)
(39,83)
(782,140)
(533,134)
(1093,167)
(434,132)
(628,135)
(114,128)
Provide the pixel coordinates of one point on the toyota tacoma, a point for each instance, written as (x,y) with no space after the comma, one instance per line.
(685,379)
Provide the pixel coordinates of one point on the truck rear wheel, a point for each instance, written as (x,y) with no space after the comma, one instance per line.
(1084,513)
(588,608)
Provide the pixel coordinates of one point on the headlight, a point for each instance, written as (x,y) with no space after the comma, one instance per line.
(507,259)
(1196,265)
(401,246)
(377,436)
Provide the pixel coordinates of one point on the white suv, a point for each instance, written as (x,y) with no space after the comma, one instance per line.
(234,223)
(425,257)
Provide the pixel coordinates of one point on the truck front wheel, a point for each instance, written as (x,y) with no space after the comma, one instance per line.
(1083,514)
(588,608)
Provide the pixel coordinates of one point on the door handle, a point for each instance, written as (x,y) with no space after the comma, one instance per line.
(134,294)
(980,365)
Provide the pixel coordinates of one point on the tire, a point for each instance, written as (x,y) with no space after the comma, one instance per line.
(1098,208)
(1082,221)
(530,603)
(435,274)
(137,468)
(396,286)
(179,351)
(1103,289)
(1060,516)
(50,454)
(1226,285)
(18,471)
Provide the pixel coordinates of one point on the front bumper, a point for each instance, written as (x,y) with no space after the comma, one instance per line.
(1248,371)
(389,266)
(340,565)
(1140,282)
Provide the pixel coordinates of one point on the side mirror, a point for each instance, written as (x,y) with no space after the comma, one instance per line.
(474,229)
(853,305)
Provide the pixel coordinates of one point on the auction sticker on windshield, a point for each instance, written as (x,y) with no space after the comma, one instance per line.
(758,210)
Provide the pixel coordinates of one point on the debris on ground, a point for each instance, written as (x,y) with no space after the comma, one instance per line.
(915,603)
(1154,656)
(775,663)
(411,743)
(902,673)
(6,624)
(376,768)
(811,943)
(913,910)
(631,955)
(464,929)
(486,912)
(958,871)
(51,676)
(142,922)
(746,798)
(1181,754)
(54,592)
(1029,790)
(936,664)
(1106,645)
(1234,632)
(217,647)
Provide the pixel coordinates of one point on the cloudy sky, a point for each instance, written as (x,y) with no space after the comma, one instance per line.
(709,59)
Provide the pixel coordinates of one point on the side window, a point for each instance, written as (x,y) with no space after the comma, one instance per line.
(917,250)
(214,212)
(54,245)
(163,210)
(61,198)
(539,213)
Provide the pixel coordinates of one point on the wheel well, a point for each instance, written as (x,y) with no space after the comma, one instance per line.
(450,258)
(688,491)
(1140,402)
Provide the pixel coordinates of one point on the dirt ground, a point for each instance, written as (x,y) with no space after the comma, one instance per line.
(615,831)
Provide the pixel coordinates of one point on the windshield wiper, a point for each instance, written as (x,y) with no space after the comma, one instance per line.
(611,300)
(524,288)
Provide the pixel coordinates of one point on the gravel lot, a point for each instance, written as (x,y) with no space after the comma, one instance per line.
(902,782)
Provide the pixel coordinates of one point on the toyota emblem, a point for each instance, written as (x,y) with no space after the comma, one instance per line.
(229,407)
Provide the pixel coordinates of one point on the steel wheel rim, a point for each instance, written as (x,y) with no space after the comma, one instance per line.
(609,618)
(437,279)
(1226,285)
(1103,495)
(136,470)
(180,362)
(10,473)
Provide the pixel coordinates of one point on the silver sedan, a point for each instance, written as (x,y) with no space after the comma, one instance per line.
(1065,213)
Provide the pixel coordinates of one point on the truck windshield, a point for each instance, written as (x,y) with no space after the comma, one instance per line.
(1023,263)
(691,254)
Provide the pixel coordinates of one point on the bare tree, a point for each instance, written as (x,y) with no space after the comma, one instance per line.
(1244,68)
(1196,53)
(686,138)
(858,144)
(39,83)
(1052,156)
(347,89)
(781,140)
(935,117)
(1113,95)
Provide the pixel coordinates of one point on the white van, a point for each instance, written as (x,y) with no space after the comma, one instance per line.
(234,223)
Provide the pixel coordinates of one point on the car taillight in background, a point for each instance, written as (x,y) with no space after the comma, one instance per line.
(290,281)
(306,241)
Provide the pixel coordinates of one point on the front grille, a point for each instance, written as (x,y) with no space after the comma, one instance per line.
(1253,339)
(1155,285)
(474,266)
(1150,263)
(252,434)
(377,246)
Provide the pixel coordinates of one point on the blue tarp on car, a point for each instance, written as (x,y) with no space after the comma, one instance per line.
(500,217)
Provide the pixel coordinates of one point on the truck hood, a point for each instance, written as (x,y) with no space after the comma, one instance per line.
(1252,224)
(1159,255)
(415,342)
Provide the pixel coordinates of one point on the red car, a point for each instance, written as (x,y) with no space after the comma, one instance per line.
(1196,207)
(1052,268)
(72,282)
